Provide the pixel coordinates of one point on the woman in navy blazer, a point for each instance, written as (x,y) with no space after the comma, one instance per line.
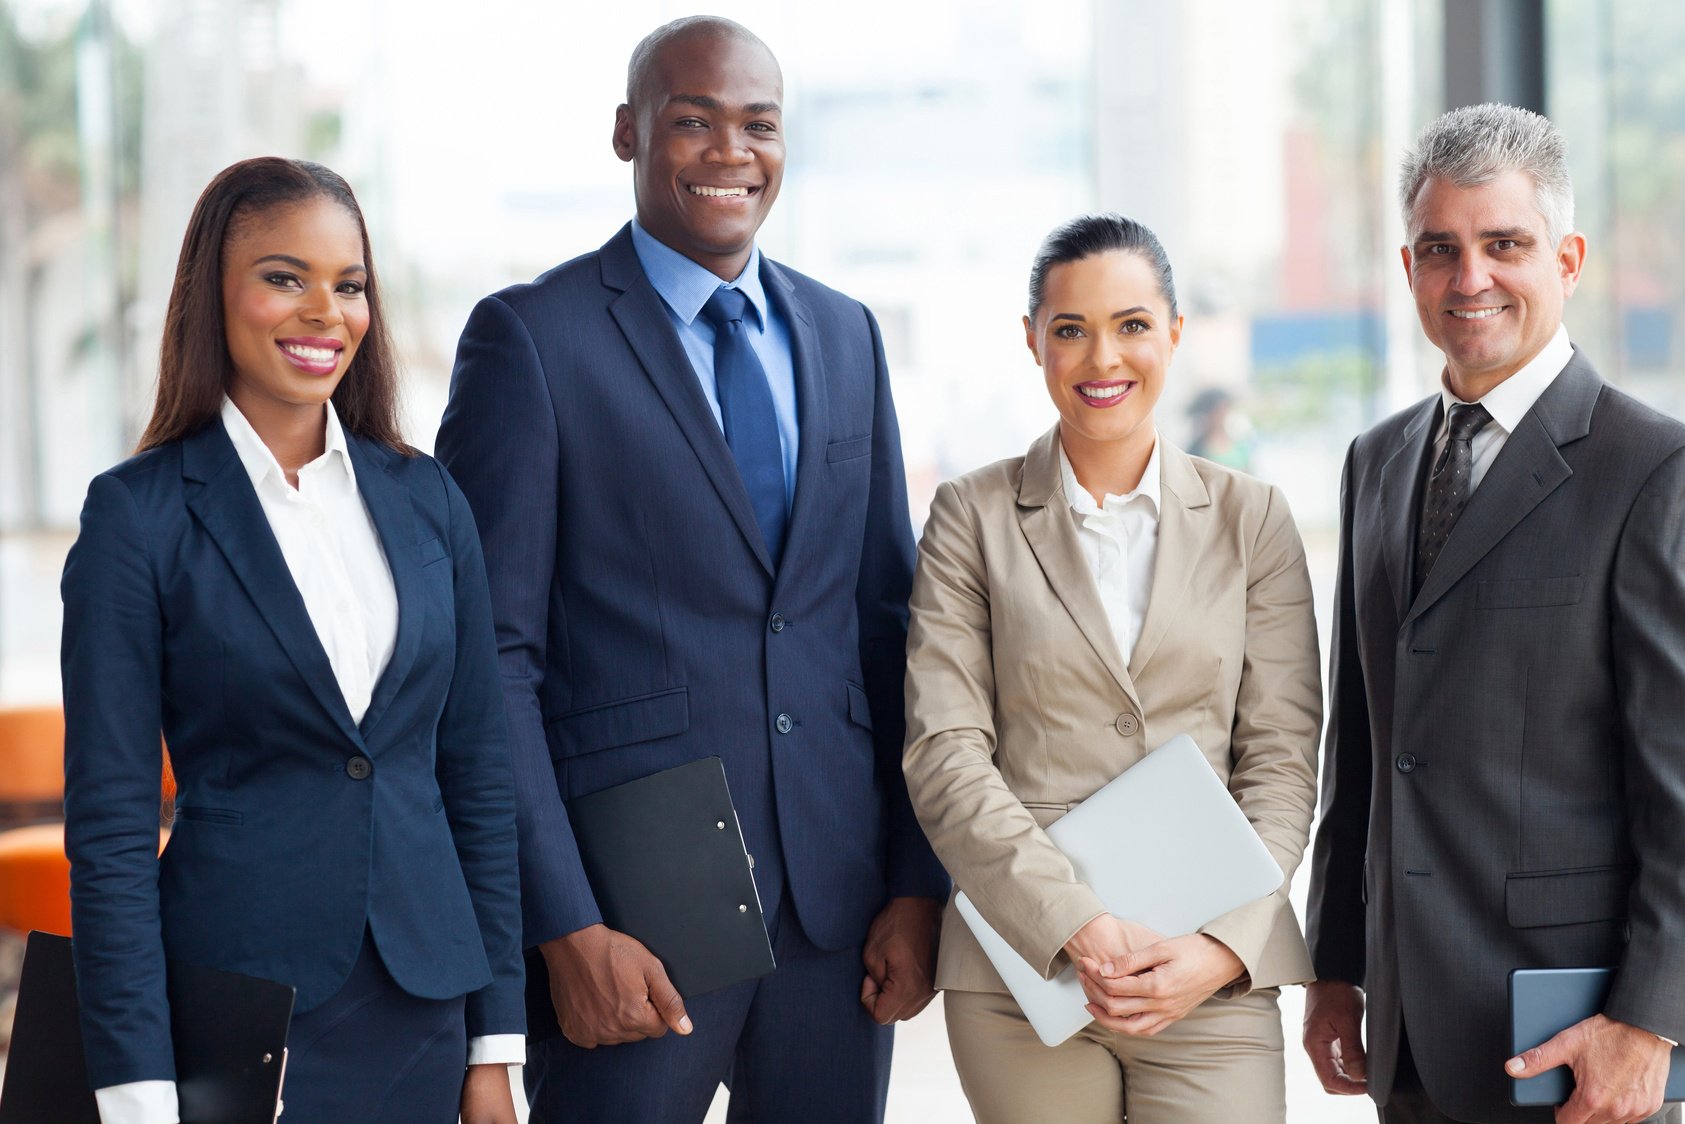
(297,600)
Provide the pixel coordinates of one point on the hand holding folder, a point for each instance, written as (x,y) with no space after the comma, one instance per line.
(229,1032)
(666,861)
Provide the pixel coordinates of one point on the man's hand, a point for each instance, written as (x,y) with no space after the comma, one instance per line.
(1334,1036)
(1142,992)
(486,1098)
(900,956)
(1620,1070)
(607,988)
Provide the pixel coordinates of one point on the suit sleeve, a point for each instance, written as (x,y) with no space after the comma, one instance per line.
(500,441)
(987,839)
(1335,911)
(112,663)
(1278,714)
(478,787)
(886,573)
(1648,603)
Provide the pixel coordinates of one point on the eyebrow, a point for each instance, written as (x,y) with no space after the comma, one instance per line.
(1081,319)
(300,264)
(703,101)
(1514,233)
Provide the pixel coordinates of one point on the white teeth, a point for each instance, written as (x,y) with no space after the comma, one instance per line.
(309,354)
(1103,391)
(715,192)
(1475,313)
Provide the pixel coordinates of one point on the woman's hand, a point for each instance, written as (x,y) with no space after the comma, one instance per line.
(1107,939)
(486,1096)
(1146,990)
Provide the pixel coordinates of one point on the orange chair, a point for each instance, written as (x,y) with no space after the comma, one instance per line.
(31,764)
(35,879)
(35,874)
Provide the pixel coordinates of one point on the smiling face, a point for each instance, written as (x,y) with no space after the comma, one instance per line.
(706,140)
(1488,281)
(294,308)
(1104,335)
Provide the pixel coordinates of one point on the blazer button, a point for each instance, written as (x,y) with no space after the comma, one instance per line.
(784,724)
(1127,724)
(778,622)
(1407,762)
(359,768)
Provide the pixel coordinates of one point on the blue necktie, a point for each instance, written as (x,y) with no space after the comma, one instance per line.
(747,414)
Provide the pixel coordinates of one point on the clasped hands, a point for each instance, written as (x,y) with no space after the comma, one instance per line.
(607,988)
(1138,982)
(1620,1070)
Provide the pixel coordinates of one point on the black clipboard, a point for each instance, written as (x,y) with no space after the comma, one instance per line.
(229,1031)
(1543,1002)
(665,858)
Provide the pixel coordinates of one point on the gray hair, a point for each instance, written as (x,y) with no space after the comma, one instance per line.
(1477,144)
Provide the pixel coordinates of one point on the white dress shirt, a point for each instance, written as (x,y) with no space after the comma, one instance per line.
(1508,403)
(334,554)
(1119,539)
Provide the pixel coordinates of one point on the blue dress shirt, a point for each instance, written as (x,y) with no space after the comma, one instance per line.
(685,287)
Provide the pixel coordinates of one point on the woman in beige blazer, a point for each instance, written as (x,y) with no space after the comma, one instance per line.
(1073,609)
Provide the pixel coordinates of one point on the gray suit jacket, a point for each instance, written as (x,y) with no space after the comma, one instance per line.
(1504,779)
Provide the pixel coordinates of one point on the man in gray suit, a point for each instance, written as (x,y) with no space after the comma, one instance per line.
(1504,782)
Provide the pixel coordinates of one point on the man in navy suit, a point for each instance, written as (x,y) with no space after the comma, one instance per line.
(684,464)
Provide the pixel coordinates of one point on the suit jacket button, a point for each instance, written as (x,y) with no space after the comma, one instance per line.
(1407,762)
(784,724)
(778,622)
(359,768)
(1127,724)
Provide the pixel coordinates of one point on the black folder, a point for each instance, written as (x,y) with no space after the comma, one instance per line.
(666,861)
(1543,1002)
(229,1032)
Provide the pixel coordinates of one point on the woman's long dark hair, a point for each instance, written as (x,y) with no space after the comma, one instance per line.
(194,366)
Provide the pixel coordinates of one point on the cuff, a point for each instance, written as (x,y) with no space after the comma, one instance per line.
(1666,1039)
(138,1102)
(493,1049)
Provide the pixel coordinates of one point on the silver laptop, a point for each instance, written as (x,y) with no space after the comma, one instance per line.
(1165,845)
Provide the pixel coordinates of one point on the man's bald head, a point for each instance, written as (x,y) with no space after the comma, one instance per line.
(644,69)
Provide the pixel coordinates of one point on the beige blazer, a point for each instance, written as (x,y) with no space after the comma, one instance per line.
(1019,707)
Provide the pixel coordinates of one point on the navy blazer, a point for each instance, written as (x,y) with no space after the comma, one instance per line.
(181,616)
(640,622)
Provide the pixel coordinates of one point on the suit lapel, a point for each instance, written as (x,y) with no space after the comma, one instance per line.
(1400,499)
(1044,515)
(221,497)
(812,405)
(1528,468)
(394,521)
(1182,530)
(644,322)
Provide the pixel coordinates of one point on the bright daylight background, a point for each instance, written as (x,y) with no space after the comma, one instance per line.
(932,144)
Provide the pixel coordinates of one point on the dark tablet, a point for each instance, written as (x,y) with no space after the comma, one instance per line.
(1543,1002)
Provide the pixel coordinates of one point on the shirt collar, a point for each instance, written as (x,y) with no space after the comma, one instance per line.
(685,285)
(1083,504)
(260,463)
(1509,401)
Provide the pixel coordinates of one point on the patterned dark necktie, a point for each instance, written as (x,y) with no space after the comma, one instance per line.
(748,416)
(1448,488)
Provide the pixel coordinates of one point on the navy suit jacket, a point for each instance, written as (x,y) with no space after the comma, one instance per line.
(640,622)
(181,616)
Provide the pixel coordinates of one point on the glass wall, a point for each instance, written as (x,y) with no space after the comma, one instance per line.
(1615,88)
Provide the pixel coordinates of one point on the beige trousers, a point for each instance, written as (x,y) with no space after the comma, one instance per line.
(1222,1064)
